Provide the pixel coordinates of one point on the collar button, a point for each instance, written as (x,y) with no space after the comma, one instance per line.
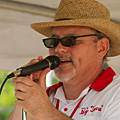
(65,109)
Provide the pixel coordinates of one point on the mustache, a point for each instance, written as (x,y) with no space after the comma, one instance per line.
(67,57)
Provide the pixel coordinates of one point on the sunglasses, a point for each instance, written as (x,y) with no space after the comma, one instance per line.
(65,41)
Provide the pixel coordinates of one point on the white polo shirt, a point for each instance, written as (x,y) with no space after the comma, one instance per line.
(102,102)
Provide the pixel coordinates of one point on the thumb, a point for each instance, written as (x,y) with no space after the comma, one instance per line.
(42,78)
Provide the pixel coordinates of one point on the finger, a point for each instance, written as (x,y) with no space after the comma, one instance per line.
(36,75)
(30,77)
(33,61)
(40,58)
(20,95)
(35,79)
(23,104)
(20,104)
(21,87)
(42,79)
(23,80)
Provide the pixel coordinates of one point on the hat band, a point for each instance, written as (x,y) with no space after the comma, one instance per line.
(63,19)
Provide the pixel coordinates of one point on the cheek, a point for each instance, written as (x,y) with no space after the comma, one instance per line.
(85,56)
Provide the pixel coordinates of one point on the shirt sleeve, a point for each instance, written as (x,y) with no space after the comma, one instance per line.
(113,109)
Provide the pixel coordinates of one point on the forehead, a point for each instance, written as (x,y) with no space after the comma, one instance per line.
(75,30)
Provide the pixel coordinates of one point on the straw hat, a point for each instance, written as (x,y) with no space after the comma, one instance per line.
(88,13)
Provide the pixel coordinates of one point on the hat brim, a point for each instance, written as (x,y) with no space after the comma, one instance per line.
(110,29)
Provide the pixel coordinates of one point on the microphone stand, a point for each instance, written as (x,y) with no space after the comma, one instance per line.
(23,115)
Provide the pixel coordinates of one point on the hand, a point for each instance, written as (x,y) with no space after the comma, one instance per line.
(31,96)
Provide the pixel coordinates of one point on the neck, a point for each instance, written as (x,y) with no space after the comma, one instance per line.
(74,87)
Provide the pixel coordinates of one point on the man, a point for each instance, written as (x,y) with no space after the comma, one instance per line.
(81,35)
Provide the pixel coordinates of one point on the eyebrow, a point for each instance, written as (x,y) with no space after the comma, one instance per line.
(54,35)
(66,35)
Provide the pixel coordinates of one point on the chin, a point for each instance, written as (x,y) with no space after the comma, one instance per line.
(66,75)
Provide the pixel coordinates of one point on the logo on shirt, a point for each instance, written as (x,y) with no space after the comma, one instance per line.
(85,110)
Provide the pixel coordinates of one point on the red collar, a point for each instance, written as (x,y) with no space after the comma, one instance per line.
(54,86)
(99,84)
(103,80)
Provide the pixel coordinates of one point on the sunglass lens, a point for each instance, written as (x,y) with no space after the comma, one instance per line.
(50,43)
(68,41)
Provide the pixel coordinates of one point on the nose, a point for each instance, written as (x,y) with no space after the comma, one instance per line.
(60,49)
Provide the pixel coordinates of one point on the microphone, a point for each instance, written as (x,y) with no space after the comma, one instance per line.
(51,62)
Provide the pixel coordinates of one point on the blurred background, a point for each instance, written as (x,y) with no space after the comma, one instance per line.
(19,43)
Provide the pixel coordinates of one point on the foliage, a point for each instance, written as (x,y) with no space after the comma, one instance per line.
(7,97)
(54,80)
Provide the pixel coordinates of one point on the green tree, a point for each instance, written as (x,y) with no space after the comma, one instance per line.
(7,97)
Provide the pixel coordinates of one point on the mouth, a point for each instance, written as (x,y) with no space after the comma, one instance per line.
(64,62)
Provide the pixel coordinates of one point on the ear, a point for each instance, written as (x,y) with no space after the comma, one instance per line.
(103,46)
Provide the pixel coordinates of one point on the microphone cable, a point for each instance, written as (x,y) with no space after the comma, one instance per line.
(8,77)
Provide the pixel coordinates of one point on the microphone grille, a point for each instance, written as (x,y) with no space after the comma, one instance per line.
(54,60)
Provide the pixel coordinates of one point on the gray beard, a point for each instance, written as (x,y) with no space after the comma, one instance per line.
(67,75)
(64,77)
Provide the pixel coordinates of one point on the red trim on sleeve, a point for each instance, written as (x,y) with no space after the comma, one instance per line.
(103,80)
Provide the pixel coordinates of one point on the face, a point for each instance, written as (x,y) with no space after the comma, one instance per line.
(78,61)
